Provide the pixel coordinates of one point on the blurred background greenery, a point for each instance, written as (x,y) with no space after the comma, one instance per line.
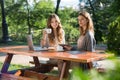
(105,14)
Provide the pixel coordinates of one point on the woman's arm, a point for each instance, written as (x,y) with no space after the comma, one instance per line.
(43,41)
(89,42)
(63,37)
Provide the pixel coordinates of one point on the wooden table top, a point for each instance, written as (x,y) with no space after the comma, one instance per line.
(64,55)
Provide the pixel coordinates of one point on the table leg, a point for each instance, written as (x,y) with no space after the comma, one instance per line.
(65,70)
(36,61)
(90,65)
(6,63)
(42,68)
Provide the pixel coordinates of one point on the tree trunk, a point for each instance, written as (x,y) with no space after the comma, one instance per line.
(57,6)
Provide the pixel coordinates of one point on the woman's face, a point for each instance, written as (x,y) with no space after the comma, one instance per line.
(82,21)
(54,23)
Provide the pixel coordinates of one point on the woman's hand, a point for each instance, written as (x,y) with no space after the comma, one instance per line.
(43,40)
(42,43)
(67,47)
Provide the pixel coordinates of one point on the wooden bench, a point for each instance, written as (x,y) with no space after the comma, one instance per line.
(5,76)
(28,75)
(45,66)
(39,76)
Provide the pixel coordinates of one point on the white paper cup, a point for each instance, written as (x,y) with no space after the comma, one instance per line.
(48,30)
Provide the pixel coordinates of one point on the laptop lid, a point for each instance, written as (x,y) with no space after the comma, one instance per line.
(30,42)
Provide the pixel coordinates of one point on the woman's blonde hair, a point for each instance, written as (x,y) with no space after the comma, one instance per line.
(90,26)
(59,29)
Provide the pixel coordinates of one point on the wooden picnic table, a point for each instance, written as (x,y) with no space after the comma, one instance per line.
(66,56)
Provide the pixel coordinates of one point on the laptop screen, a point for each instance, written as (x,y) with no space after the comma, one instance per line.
(30,42)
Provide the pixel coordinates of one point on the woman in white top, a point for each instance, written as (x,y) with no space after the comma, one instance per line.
(56,37)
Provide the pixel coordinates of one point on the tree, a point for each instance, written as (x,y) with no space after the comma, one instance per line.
(28,18)
(18,23)
(113,39)
(57,6)
(5,36)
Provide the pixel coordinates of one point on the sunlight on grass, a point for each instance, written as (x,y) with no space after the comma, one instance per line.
(14,66)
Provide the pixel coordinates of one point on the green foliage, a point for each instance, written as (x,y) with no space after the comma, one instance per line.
(42,4)
(113,39)
(71,33)
(114,74)
(101,18)
(77,74)
(68,18)
(39,12)
(115,8)
(16,16)
(110,74)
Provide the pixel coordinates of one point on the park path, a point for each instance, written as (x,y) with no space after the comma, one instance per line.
(20,59)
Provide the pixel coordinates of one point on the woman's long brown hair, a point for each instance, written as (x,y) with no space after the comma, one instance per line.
(89,24)
(59,29)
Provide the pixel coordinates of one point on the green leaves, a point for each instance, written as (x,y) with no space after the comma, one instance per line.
(113,39)
(110,74)
(78,74)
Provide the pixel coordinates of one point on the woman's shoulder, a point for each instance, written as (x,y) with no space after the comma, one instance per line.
(62,30)
(89,33)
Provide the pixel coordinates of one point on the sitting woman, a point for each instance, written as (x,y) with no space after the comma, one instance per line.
(55,37)
(86,40)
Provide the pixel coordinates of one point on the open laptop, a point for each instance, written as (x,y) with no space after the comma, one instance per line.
(31,45)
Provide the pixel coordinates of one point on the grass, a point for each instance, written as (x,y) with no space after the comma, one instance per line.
(14,66)
(17,67)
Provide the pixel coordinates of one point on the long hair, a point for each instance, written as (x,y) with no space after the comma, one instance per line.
(59,29)
(90,26)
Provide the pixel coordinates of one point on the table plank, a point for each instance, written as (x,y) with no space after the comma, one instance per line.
(86,57)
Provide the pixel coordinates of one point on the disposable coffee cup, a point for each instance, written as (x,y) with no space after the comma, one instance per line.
(48,30)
